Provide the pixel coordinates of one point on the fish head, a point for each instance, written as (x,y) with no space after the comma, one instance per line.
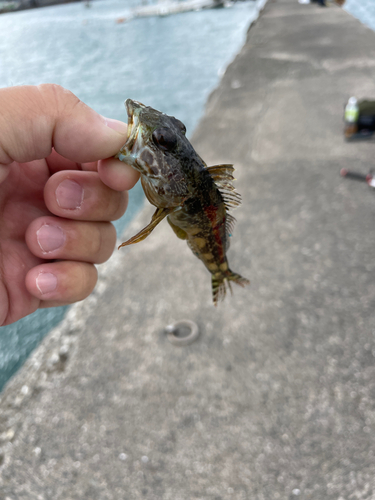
(157,147)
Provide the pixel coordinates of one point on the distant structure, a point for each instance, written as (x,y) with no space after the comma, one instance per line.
(12,5)
(161,8)
(168,7)
(8,6)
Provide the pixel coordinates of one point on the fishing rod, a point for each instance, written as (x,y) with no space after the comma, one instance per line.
(368,178)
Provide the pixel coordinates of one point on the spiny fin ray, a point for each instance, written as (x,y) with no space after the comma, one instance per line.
(222,175)
(229,224)
(221,172)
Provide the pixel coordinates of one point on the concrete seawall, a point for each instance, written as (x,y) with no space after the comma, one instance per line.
(276,399)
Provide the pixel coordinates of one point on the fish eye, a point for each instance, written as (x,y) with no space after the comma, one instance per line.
(164,138)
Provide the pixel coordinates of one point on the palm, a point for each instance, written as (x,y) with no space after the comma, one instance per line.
(21,201)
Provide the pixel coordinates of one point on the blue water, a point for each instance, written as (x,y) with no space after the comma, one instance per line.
(171,63)
(364,10)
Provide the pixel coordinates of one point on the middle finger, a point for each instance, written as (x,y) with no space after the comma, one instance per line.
(79,195)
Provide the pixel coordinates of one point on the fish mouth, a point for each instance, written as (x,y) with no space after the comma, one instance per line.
(132,108)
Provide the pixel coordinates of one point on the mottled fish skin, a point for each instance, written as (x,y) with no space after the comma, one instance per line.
(194,198)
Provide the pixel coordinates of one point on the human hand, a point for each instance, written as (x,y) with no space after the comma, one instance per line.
(57,197)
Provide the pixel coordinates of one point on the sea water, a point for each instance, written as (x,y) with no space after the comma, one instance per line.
(364,10)
(171,63)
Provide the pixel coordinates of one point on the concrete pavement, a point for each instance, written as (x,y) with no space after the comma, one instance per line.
(276,399)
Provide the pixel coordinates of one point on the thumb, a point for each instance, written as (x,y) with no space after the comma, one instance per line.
(34,119)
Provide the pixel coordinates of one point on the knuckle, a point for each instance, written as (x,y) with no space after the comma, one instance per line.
(59,98)
(81,281)
(91,277)
(96,242)
(119,202)
(102,242)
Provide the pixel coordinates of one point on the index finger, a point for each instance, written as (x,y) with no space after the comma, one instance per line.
(117,175)
(57,162)
(34,119)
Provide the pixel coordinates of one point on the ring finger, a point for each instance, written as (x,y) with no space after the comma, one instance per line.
(55,238)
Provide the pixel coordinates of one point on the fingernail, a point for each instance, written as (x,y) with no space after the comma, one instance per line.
(50,238)
(69,195)
(116,125)
(46,282)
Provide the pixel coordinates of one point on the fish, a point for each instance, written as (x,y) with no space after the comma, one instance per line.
(194,198)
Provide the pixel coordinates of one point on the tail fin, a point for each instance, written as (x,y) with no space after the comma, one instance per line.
(220,282)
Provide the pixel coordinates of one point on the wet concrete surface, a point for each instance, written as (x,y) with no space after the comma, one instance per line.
(276,398)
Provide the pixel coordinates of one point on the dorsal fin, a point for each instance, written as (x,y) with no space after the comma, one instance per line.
(222,175)
(229,225)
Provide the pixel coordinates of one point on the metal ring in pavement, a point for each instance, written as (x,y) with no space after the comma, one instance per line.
(173,330)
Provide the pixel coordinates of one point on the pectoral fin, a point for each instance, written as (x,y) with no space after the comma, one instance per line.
(158,216)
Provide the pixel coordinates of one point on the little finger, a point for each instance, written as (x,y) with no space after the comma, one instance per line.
(61,283)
